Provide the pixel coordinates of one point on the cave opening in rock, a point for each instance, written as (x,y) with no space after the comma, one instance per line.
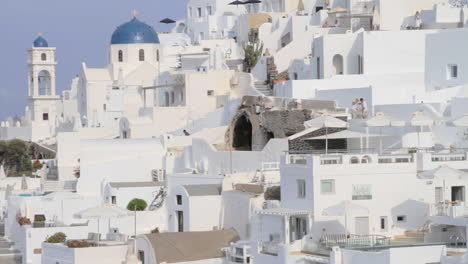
(242,138)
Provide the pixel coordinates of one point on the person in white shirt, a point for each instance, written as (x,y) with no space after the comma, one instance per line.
(417,20)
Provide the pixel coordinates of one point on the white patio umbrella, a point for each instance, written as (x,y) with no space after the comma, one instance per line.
(106,211)
(24,183)
(443,172)
(461,121)
(8,190)
(61,196)
(345,134)
(419,119)
(344,209)
(379,120)
(375,18)
(2,173)
(326,121)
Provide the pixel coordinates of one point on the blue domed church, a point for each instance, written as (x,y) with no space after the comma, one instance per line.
(134,63)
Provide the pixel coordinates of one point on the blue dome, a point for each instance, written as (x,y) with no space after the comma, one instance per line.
(134,31)
(40,42)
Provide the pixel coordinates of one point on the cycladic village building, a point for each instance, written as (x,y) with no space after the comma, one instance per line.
(273,131)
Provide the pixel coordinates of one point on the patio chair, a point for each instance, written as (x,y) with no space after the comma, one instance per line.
(94,238)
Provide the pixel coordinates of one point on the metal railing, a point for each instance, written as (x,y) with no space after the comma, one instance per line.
(451,209)
(269,247)
(270,166)
(440,157)
(297,159)
(353,241)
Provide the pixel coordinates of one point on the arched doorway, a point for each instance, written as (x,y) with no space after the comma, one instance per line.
(338,64)
(44,82)
(242,136)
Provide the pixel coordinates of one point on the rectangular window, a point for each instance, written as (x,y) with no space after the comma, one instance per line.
(383,223)
(114,199)
(301,188)
(452,71)
(189,12)
(210,92)
(360,65)
(401,218)
(327,186)
(209,10)
(318,68)
(179,199)
(45,116)
(199,11)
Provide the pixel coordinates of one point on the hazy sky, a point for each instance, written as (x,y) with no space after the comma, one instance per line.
(79,29)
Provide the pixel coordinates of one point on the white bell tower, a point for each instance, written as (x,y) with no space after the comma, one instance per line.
(41,82)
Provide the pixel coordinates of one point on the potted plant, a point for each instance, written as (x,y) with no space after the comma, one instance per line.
(58,237)
(137,205)
(23,220)
(78,244)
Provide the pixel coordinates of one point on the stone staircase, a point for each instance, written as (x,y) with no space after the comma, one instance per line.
(264,88)
(409,237)
(8,255)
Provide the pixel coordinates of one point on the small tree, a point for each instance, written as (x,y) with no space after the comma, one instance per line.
(273,193)
(252,52)
(137,205)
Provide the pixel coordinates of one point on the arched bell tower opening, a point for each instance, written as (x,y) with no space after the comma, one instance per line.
(44,83)
(242,134)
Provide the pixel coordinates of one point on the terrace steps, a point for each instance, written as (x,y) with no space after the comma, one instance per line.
(8,255)
(264,88)
(410,236)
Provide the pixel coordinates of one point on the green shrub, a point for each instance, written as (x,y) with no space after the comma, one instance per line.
(137,205)
(58,237)
(273,193)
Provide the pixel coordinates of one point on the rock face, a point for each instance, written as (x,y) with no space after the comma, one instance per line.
(260,119)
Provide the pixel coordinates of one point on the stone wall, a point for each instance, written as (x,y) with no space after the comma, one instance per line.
(273,117)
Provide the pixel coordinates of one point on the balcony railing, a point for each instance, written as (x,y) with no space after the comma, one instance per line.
(270,166)
(448,157)
(297,159)
(353,241)
(450,209)
(331,160)
(396,159)
(269,247)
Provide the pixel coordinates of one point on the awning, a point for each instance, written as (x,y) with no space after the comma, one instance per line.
(338,10)
(443,172)
(346,134)
(283,212)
